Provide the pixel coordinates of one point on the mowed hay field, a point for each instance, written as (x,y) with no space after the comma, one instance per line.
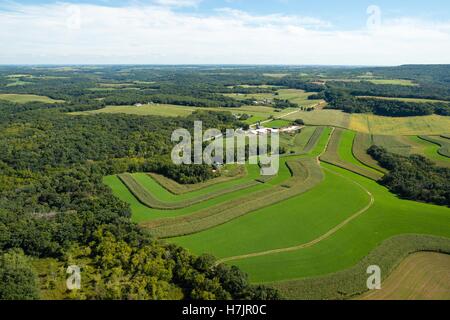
(418,100)
(369,123)
(421,276)
(425,125)
(398,82)
(24,98)
(258,113)
(333,118)
(297,96)
(166,110)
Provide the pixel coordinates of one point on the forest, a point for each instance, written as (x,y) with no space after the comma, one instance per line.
(342,100)
(54,205)
(55,209)
(414,177)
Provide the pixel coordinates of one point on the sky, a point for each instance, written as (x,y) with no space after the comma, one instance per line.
(300,32)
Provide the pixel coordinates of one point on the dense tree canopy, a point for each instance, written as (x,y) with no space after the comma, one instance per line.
(339,99)
(18,281)
(414,177)
(55,205)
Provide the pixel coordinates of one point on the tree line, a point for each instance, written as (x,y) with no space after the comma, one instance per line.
(342,100)
(414,177)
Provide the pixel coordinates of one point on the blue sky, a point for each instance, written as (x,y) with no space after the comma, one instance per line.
(225,31)
(344,13)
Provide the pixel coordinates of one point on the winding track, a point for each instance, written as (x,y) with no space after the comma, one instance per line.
(315,241)
(322,237)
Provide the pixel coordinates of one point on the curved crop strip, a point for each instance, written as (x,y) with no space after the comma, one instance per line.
(351,282)
(345,152)
(287,224)
(444,149)
(163,195)
(316,240)
(146,197)
(218,215)
(321,145)
(428,149)
(177,189)
(142,213)
(285,173)
(335,150)
(389,216)
(313,140)
(361,143)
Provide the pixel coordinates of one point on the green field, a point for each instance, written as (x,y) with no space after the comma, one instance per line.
(24,98)
(296,142)
(369,123)
(365,123)
(322,118)
(407,145)
(398,82)
(406,99)
(317,220)
(296,96)
(443,152)
(425,125)
(228,172)
(258,113)
(340,153)
(388,216)
(300,218)
(276,124)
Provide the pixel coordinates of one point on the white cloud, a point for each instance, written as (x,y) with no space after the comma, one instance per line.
(178,3)
(62,33)
(272,19)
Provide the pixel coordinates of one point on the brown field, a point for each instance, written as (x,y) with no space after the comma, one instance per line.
(421,276)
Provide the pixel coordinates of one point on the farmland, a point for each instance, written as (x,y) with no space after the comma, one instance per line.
(87,178)
(421,276)
(24,98)
(327,221)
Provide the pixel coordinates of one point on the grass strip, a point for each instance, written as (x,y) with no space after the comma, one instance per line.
(444,144)
(176,188)
(314,138)
(362,142)
(306,174)
(146,197)
(332,156)
(351,282)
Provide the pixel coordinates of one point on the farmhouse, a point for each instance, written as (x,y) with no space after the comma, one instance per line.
(262,130)
(290,129)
